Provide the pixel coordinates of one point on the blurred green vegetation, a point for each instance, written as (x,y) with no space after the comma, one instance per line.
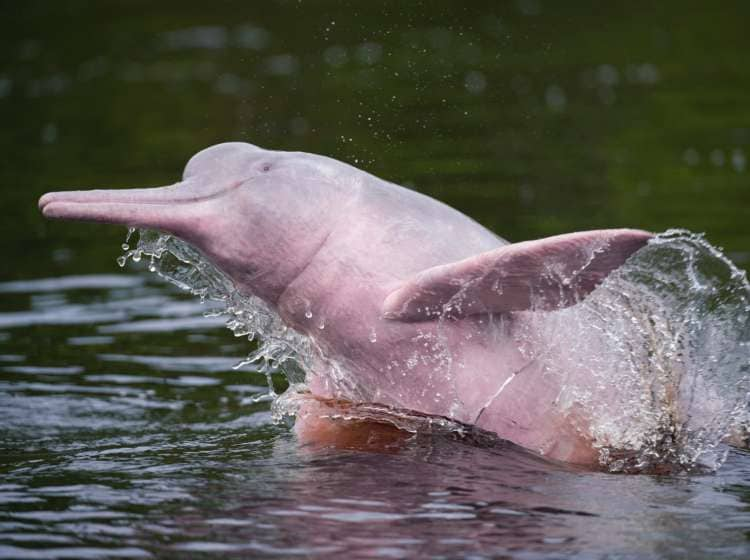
(534,117)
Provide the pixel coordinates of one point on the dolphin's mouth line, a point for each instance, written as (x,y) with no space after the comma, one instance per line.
(98,206)
(46,203)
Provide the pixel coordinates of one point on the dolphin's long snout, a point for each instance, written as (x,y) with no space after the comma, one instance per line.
(158,207)
(53,202)
(149,207)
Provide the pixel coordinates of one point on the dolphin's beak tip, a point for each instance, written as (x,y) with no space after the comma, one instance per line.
(44,201)
(52,205)
(48,210)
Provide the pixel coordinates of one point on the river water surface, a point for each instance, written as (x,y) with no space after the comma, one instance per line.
(125,430)
(160,452)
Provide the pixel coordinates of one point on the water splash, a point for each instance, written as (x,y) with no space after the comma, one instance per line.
(278,349)
(655,363)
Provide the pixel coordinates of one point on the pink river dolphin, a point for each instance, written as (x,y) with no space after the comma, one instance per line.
(420,306)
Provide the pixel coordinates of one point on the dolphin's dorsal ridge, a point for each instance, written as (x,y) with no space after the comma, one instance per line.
(543,274)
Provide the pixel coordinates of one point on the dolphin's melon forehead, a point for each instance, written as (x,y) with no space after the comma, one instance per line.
(226,158)
(239,160)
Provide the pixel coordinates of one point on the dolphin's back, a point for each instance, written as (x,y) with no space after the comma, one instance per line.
(408,231)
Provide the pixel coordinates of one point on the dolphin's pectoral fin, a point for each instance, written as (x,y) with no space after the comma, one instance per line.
(544,274)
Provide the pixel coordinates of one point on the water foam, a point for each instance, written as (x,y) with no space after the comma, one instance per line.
(655,363)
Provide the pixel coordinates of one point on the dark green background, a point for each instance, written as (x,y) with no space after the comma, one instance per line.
(118,94)
(534,117)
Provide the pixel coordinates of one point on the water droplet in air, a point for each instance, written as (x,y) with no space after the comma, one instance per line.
(373,336)
(691,157)
(738,160)
(717,158)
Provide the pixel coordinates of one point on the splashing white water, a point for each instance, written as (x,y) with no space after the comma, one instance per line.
(656,361)
(655,366)
(278,348)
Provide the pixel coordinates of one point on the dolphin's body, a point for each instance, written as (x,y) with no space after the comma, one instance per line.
(422,307)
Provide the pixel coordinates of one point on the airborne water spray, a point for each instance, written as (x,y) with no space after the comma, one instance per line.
(666,341)
(672,387)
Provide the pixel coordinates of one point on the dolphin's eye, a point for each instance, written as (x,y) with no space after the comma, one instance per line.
(265,168)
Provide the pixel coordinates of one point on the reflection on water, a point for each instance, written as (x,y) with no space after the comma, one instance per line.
(146,443)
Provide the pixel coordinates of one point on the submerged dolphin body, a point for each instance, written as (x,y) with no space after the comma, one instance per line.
(420,306)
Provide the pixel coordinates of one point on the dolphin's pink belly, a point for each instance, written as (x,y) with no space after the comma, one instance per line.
(462,370)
